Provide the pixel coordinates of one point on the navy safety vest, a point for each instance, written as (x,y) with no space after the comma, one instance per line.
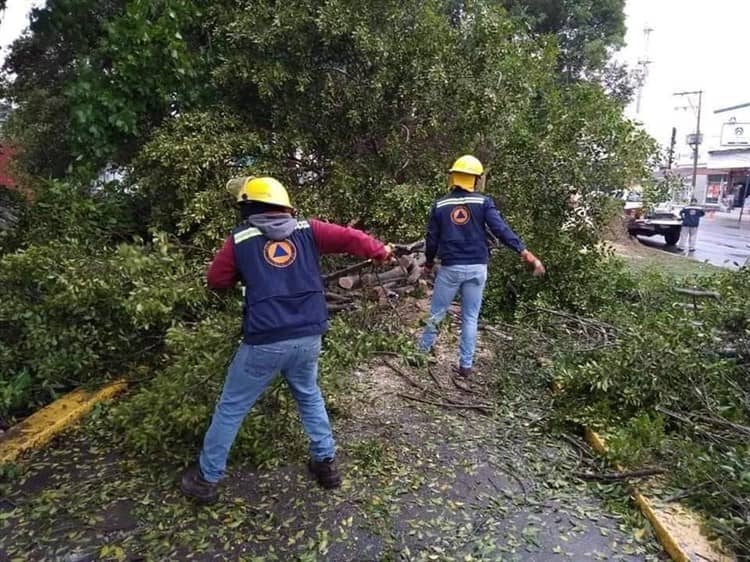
(461,216)
(284,293)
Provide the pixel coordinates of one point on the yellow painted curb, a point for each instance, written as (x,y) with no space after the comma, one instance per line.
(595,441)
(40,427)
(673,532)
(665,538)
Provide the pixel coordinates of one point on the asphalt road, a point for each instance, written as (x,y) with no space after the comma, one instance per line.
(723,241)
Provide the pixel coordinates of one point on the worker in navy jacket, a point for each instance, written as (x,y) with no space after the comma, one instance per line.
(457,234)
(691,219)
(275,256)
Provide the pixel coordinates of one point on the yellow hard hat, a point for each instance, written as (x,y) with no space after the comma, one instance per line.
(465,173)
(263,190)
(468,164)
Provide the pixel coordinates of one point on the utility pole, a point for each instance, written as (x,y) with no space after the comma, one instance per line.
(672,143)
(696,141)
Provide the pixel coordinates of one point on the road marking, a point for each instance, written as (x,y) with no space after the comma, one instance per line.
(41,426)
(677,529)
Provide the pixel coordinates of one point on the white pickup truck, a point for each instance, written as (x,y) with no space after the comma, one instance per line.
(661,222)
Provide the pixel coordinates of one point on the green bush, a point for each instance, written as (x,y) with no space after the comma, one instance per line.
(73,312)
(359,110)
(670,390)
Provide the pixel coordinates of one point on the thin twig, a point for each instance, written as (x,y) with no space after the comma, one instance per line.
(581,446)
(686,493)
(461,386)
(338,298)
(507,470)
(386,353)
(434,378)
(723,423)
(404,376)
(614,476)
(9,502)
(716,438)
(346,270)
(481,407)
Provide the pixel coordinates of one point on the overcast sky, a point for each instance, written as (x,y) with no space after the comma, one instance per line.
(14,21)
(695,44)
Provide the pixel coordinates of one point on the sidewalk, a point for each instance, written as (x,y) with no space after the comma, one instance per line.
(723,240)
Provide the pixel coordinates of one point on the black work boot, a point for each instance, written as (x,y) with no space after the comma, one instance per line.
(465,372)
(194,486)
(326,472)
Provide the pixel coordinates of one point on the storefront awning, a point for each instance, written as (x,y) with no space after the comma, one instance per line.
(728,160)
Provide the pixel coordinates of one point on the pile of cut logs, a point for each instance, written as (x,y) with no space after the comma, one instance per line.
(373,281)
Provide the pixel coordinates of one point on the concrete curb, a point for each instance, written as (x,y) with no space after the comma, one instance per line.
(680,535)
(41,426)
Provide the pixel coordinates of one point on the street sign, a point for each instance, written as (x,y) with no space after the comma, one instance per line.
(690,139)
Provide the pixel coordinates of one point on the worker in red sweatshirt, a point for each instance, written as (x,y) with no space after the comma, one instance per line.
(276,257)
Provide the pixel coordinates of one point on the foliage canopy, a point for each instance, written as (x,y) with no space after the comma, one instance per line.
(359,108)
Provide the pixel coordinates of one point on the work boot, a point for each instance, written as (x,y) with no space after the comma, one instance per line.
(465,372)
(194,486)
(326,472)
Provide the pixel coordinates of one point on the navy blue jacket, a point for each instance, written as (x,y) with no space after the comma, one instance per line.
(691,216)
(457,230)
(284,293)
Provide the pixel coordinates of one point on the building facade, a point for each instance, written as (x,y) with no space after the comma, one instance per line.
(723,172)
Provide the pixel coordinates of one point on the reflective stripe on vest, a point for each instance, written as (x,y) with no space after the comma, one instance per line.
(460,201)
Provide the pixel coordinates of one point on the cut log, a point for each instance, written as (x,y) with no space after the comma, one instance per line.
(383,294)
(350,282)
(416,273)
(381,284)
(403,290)
(415,246)
(410,262)
(369,279)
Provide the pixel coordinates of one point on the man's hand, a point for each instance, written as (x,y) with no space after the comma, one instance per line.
(427,270)
(389,256)
(534,262)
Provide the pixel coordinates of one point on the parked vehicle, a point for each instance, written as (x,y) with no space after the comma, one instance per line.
(660,222)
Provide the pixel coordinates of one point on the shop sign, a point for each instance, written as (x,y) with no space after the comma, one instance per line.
(735,134)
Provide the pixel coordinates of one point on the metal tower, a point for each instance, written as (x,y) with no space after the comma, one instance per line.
(641,71)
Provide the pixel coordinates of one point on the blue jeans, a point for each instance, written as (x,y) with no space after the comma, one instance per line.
(470,281)
(252,370)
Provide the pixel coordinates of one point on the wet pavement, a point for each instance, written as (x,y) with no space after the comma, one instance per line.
(421,482)
(723,240)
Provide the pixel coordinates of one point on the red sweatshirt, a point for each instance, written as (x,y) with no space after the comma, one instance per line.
(329,238)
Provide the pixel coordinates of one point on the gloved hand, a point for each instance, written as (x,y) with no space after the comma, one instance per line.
(534,262)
